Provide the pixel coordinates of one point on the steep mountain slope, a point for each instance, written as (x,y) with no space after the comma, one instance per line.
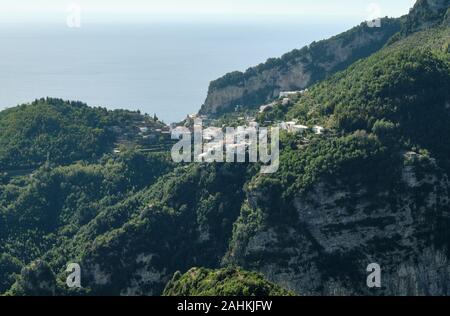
(296,70)
(186,222)
(42,215)
(134,246)
(375,190)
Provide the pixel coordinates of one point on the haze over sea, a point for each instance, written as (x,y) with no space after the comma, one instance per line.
(161,67)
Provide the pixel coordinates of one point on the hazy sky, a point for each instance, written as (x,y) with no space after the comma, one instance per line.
(48,10)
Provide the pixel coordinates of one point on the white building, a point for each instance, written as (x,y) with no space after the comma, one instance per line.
(286,94)
(290,125)
(293,127)
(299,129)
(143,129)
(318,130)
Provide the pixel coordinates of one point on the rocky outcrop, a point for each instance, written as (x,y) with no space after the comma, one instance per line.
(224,282)
(427,14)
(296,70)
(341,228)
(37,279)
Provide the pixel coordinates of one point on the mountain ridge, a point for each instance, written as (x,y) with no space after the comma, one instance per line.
(297,69)
(301,68)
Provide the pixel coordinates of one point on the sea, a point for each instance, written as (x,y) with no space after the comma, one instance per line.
(160,67)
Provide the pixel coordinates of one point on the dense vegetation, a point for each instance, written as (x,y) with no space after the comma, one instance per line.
(395,102)
(46,211)
(375,186)
(224,282)
(59,132)
(392,94)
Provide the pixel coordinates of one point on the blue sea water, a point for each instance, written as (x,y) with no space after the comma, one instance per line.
(161,67)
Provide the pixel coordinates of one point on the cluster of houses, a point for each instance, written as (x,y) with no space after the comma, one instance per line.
(295,128)
(144,133)
(287,94)
(213,137)
(151,133)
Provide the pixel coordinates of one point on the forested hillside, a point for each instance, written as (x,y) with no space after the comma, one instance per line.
(60,132)
(223,282)
(373,188)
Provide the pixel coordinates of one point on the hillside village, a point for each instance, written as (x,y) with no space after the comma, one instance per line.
(216,138)
(148,134)
(369,188)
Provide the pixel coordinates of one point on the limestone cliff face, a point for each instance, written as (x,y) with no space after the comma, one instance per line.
(339,229)
(296,70)
(426,14)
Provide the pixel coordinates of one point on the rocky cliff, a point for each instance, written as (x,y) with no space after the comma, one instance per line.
(339,228)
(376,190)
(426,14)
(296,70)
